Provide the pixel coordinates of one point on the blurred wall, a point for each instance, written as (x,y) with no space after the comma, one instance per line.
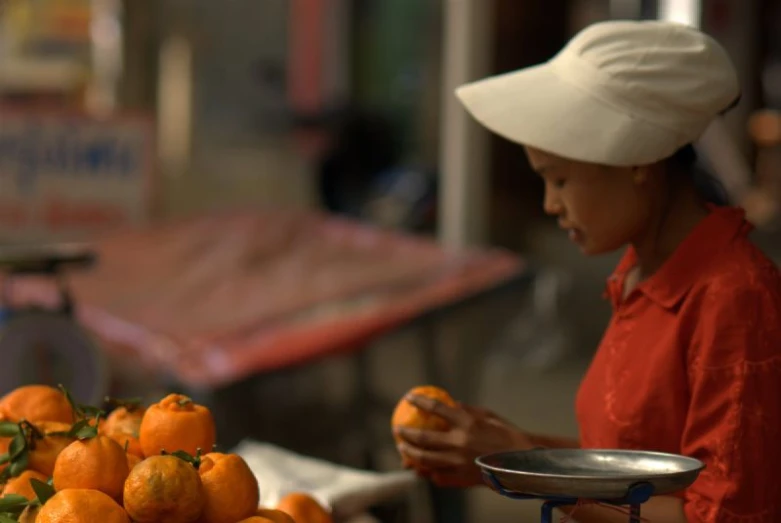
(526,33)
(240,147)
(736,25)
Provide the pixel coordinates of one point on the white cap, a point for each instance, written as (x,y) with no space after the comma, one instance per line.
(621,93)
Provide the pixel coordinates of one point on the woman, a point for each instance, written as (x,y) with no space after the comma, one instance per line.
(690,362)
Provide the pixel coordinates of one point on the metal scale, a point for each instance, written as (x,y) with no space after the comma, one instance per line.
(46,344)
(562,477)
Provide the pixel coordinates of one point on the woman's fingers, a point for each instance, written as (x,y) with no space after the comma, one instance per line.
(478,412)
(456,416)
(430,459)
(427,439)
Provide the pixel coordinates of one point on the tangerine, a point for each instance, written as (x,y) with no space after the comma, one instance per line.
(21,484)
(29,514)
(81,506)
(408,415)
(97,463)
(257,519)
(304,508)
(4,444)
(164,488)
(36,403)
(176,423)
(131,443)
(132,460)
(43,451)
(123,420)
(273,515)
(230,488)
(123,426)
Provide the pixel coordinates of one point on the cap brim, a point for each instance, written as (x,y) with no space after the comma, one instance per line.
(537,108)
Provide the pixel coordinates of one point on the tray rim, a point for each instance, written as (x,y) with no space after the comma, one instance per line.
(639,477)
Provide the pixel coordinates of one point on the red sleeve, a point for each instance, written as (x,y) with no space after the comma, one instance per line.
(734,419)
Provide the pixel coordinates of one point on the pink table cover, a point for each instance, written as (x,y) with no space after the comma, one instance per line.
(217,298)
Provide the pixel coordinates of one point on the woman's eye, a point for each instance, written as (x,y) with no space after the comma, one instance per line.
(559,183)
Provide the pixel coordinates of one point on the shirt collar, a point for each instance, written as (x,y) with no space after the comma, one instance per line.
(675,277)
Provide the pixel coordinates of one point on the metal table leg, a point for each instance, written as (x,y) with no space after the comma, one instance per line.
(447,505)
(363,405)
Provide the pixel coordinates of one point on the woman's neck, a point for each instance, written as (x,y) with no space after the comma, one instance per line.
(667,230)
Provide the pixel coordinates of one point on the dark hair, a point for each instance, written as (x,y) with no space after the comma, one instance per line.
(685,162)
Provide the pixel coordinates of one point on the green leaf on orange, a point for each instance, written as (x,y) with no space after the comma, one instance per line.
(8,429)
(13,503)
(44,491)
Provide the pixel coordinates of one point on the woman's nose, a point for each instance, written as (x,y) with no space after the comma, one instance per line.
(551,204)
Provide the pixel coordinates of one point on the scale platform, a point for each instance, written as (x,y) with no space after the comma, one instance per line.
(562,477)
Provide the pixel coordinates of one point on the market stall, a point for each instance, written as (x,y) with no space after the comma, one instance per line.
(214,304)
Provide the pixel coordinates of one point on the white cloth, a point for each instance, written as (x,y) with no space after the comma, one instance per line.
(620,93)
(348,492)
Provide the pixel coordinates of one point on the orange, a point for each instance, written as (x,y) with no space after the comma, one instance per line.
(408,415)
(270,514)
(97,463)
(176,423)
(36,403)
(81,506)
(303,508)
(132,460)
(21,484)
(43,452)
(133,444)
(164,489)
(4,443)
(230,488)
(29,514)
(257,519)
(123,421)
(123,425)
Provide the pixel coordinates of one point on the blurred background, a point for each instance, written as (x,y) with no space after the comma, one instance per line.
(287,214)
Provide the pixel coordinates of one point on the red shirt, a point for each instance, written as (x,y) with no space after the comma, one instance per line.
(691,364)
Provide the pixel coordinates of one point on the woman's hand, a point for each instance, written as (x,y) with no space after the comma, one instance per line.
(448,457)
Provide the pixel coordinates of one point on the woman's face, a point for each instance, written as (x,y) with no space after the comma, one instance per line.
(601,208)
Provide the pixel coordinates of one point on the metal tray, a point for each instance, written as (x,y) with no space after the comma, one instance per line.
(588,474)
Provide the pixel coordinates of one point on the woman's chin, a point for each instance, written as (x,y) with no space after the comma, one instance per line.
(591,249)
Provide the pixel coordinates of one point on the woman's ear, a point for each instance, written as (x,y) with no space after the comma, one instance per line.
(640,175)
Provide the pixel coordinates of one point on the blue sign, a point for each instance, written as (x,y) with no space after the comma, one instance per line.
(37,149)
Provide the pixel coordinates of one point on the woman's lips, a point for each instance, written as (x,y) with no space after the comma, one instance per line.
(575,235)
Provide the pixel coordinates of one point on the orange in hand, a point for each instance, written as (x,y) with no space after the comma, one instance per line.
(36,403)
(303,508)
(97,463)
(81,506)
(230,488)
(176,423)
(21,486)
(408,415)
(164,488)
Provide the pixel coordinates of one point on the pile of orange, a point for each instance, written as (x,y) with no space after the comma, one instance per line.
(65,462)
